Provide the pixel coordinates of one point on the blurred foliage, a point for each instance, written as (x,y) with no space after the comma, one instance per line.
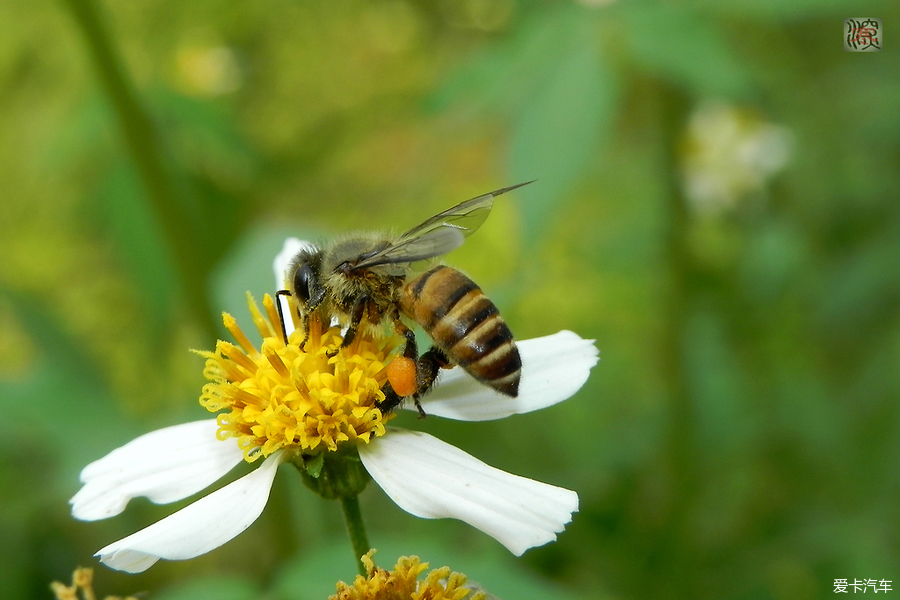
(739,438)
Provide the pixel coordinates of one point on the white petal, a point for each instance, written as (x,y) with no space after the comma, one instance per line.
(281,265)
(432,479)
(554,367)
(199,527)
(283,259)
(165,465)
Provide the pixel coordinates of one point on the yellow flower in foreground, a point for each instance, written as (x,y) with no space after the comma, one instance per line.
(83,581)
(318,406)
(402,583)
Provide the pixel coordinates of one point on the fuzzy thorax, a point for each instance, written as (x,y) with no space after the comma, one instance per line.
(281,396)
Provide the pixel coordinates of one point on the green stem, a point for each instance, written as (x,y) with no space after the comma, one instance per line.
(356,529)
(672,553)
(144,146)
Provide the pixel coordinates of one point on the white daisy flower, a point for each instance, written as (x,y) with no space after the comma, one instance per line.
(284,403)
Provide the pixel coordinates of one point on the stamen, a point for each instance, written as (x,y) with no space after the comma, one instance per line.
(315,331)
(231,352)
(272,312)
(262,324)
(221,369)
(244,397)
(271,355)
(235,331)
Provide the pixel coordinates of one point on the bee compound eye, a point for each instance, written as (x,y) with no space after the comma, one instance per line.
(303,277)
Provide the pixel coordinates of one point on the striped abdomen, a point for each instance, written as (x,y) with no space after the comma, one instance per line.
(466,325)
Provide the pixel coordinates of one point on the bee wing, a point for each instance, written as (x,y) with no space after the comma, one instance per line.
(438,235)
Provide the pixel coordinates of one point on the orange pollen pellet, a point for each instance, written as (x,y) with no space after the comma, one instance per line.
(401,373)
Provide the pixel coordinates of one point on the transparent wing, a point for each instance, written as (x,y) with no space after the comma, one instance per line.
(438,235)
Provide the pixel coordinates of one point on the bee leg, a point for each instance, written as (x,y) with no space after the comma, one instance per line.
(411,350)
(422,413)
(391,399)
(356,316)
(311,305)
(427,368)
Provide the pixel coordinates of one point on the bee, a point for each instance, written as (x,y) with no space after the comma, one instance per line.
(365,281)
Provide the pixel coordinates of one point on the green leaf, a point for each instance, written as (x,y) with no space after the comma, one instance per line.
(779,9)
(504,75)
(212,588)
(563,126)
(684,48)
(62,396)
(141,241)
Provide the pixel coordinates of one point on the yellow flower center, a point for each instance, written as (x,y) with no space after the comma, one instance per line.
(402,583)
(283,396)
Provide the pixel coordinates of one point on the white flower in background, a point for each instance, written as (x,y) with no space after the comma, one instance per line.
(283,403)
(207,70)
(729,154)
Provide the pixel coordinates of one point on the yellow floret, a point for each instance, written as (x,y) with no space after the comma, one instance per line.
(311,399)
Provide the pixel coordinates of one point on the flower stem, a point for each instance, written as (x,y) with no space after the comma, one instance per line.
(143,143)
(356,529)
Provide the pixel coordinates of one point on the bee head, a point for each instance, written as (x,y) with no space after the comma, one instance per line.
(304,279)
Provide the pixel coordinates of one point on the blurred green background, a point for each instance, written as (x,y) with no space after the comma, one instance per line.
(716,205)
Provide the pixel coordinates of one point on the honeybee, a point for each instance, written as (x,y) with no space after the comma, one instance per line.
(367,281)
